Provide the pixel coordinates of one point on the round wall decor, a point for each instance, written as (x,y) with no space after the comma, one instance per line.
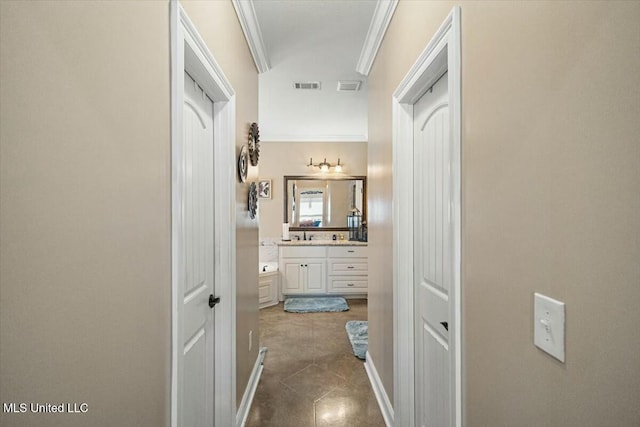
(254,144)
(243,163)
(253,200)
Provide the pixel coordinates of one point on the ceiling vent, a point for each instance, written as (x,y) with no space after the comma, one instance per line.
(349,85)
(307,85)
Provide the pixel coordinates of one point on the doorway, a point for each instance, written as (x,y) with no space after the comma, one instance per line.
(203,232)
(427,234)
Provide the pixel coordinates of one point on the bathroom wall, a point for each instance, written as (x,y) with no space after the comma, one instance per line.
(85,225)
(290,158)
(551,172)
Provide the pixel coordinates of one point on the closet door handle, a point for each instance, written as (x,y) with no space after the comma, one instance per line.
(213,300)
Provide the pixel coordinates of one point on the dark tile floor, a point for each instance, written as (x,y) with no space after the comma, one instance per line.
(311,377)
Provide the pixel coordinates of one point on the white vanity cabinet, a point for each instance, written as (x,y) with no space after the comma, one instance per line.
(304,276)
(334,269)
(303,269)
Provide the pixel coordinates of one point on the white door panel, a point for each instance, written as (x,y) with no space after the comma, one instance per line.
(435,403)
(433,256)
(198,273)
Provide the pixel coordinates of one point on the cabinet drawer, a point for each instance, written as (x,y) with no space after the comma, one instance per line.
(344,284)
(349,267)
(347,252)
(303,251)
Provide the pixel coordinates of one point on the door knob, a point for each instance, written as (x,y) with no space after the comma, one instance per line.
(213,300)
(445,325)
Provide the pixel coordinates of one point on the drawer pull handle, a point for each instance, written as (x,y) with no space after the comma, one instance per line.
(349,284)
(351,266)
(351,252)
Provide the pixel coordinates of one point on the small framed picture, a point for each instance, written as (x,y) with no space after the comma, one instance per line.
(264,189)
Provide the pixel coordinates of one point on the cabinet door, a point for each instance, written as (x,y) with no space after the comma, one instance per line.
(291,277)
(315,270)
(264,290)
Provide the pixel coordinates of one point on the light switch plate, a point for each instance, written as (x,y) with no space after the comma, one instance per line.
(548,325)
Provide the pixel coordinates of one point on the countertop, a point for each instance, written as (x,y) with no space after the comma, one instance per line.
(321,243)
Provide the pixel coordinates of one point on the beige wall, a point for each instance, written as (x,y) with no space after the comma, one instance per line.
(278,159)
(85,250)
(551,171)
(217,23)
(85,211)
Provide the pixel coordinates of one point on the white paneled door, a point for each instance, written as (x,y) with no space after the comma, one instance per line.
(197,258)
(433,257)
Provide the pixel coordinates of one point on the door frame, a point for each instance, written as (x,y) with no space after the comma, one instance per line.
(189,53)
(441,54)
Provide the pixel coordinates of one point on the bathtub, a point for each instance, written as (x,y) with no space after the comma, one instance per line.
(267,267)
(268,284)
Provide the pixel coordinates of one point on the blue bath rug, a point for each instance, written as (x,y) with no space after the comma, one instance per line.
(358,332)
(315,305)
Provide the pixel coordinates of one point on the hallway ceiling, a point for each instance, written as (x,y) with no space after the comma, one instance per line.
(313,41)
(322,26)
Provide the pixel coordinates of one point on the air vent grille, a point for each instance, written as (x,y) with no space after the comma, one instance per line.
(349,85)
(307,85)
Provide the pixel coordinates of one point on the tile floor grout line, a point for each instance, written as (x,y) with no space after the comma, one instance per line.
(295,373)
(286,386)
(323,396)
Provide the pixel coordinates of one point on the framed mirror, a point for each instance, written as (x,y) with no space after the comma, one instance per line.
(323,203)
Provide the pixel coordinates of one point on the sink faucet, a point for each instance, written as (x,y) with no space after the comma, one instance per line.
(296,237)
(305,235)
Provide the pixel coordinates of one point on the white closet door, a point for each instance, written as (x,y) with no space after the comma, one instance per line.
(433,257)
(197,281)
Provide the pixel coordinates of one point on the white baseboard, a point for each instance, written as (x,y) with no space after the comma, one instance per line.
(250,391)
(379,391)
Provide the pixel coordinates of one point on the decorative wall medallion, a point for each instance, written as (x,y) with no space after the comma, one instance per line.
(253,200)
(254,144)
(243,163)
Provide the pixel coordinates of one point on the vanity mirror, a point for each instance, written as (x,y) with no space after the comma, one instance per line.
(323,203)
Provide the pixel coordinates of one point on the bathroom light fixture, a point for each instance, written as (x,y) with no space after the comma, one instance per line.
(325,166)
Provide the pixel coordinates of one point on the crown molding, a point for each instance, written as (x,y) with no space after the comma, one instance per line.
(379,24)
(313,138)
(252,33)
